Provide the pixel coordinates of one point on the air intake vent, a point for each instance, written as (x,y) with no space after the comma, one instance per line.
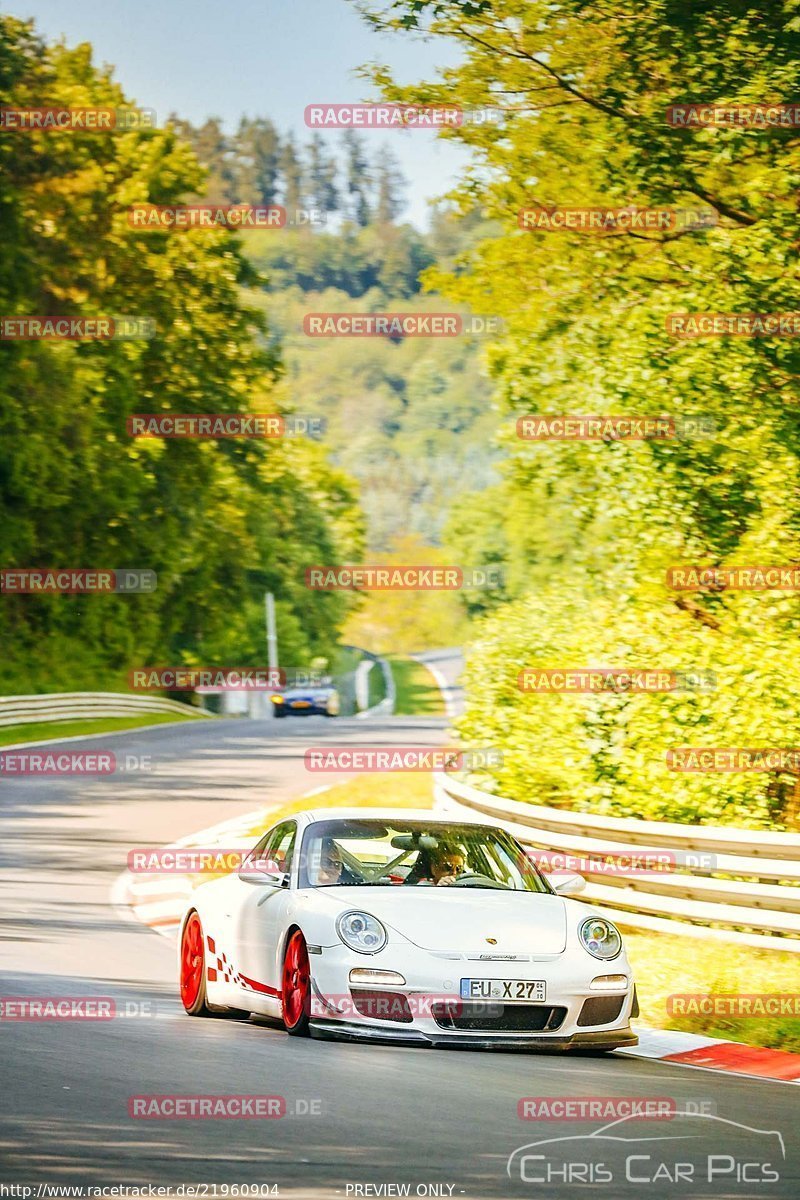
(600,1010)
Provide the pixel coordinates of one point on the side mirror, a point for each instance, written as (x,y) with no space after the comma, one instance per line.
(569,885)
(271,878)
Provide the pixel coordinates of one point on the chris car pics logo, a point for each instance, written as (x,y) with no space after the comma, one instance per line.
(696,1149)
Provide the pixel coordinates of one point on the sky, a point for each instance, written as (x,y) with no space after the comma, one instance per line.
(228,58)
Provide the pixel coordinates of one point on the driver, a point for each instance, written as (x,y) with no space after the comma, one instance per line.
(439,867)
(332,869)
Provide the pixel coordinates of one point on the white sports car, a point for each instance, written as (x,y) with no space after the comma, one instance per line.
(402,926)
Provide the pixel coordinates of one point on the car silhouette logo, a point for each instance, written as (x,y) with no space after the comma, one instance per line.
(616,1131)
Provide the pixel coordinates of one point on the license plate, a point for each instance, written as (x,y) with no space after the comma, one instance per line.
(509,990)
(301,704)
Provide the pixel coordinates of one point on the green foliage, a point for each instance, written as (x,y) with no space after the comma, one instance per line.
(383,260)
(220,522)
(586,531)
(608,752)
(257,165)
(410,420)
(392,408)
(376,687)
(408,621)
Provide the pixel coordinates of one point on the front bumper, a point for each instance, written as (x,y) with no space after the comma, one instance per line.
(433,979)
(311,710)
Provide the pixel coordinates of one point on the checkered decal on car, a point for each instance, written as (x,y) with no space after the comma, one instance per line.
(224,970)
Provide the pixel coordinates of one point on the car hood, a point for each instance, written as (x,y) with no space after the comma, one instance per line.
(461,920)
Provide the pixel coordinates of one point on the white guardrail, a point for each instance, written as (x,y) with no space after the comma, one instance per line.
(740,885)
(74,706)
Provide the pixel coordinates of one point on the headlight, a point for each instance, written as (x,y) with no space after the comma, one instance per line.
(600,938)
(361,932)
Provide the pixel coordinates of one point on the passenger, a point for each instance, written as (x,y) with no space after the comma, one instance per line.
(437,867)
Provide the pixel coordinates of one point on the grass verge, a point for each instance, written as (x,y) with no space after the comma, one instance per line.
(376,686)
(418,693)
(40,731)
(667,965)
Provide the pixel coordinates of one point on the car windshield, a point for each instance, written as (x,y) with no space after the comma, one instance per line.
(346,853)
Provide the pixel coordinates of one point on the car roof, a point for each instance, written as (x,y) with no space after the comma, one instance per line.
(387,813)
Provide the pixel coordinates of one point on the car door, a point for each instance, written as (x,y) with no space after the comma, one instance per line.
(259,913)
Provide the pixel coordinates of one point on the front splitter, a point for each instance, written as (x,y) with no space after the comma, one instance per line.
(590,1040)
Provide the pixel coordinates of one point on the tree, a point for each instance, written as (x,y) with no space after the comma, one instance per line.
(390,185)
(257,154)
(357,178)
(588,530)
(322,173)
(219,522)
(215,154)
(292,176)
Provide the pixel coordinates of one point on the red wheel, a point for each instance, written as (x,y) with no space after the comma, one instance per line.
(296,993)
(193,968)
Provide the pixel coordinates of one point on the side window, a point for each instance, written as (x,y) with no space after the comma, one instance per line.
(281,846)
(259,848)
(275,848)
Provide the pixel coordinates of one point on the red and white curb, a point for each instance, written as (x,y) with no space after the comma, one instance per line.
(716,1054)
(159,901)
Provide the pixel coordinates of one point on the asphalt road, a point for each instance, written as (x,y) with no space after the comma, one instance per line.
(359,1117)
